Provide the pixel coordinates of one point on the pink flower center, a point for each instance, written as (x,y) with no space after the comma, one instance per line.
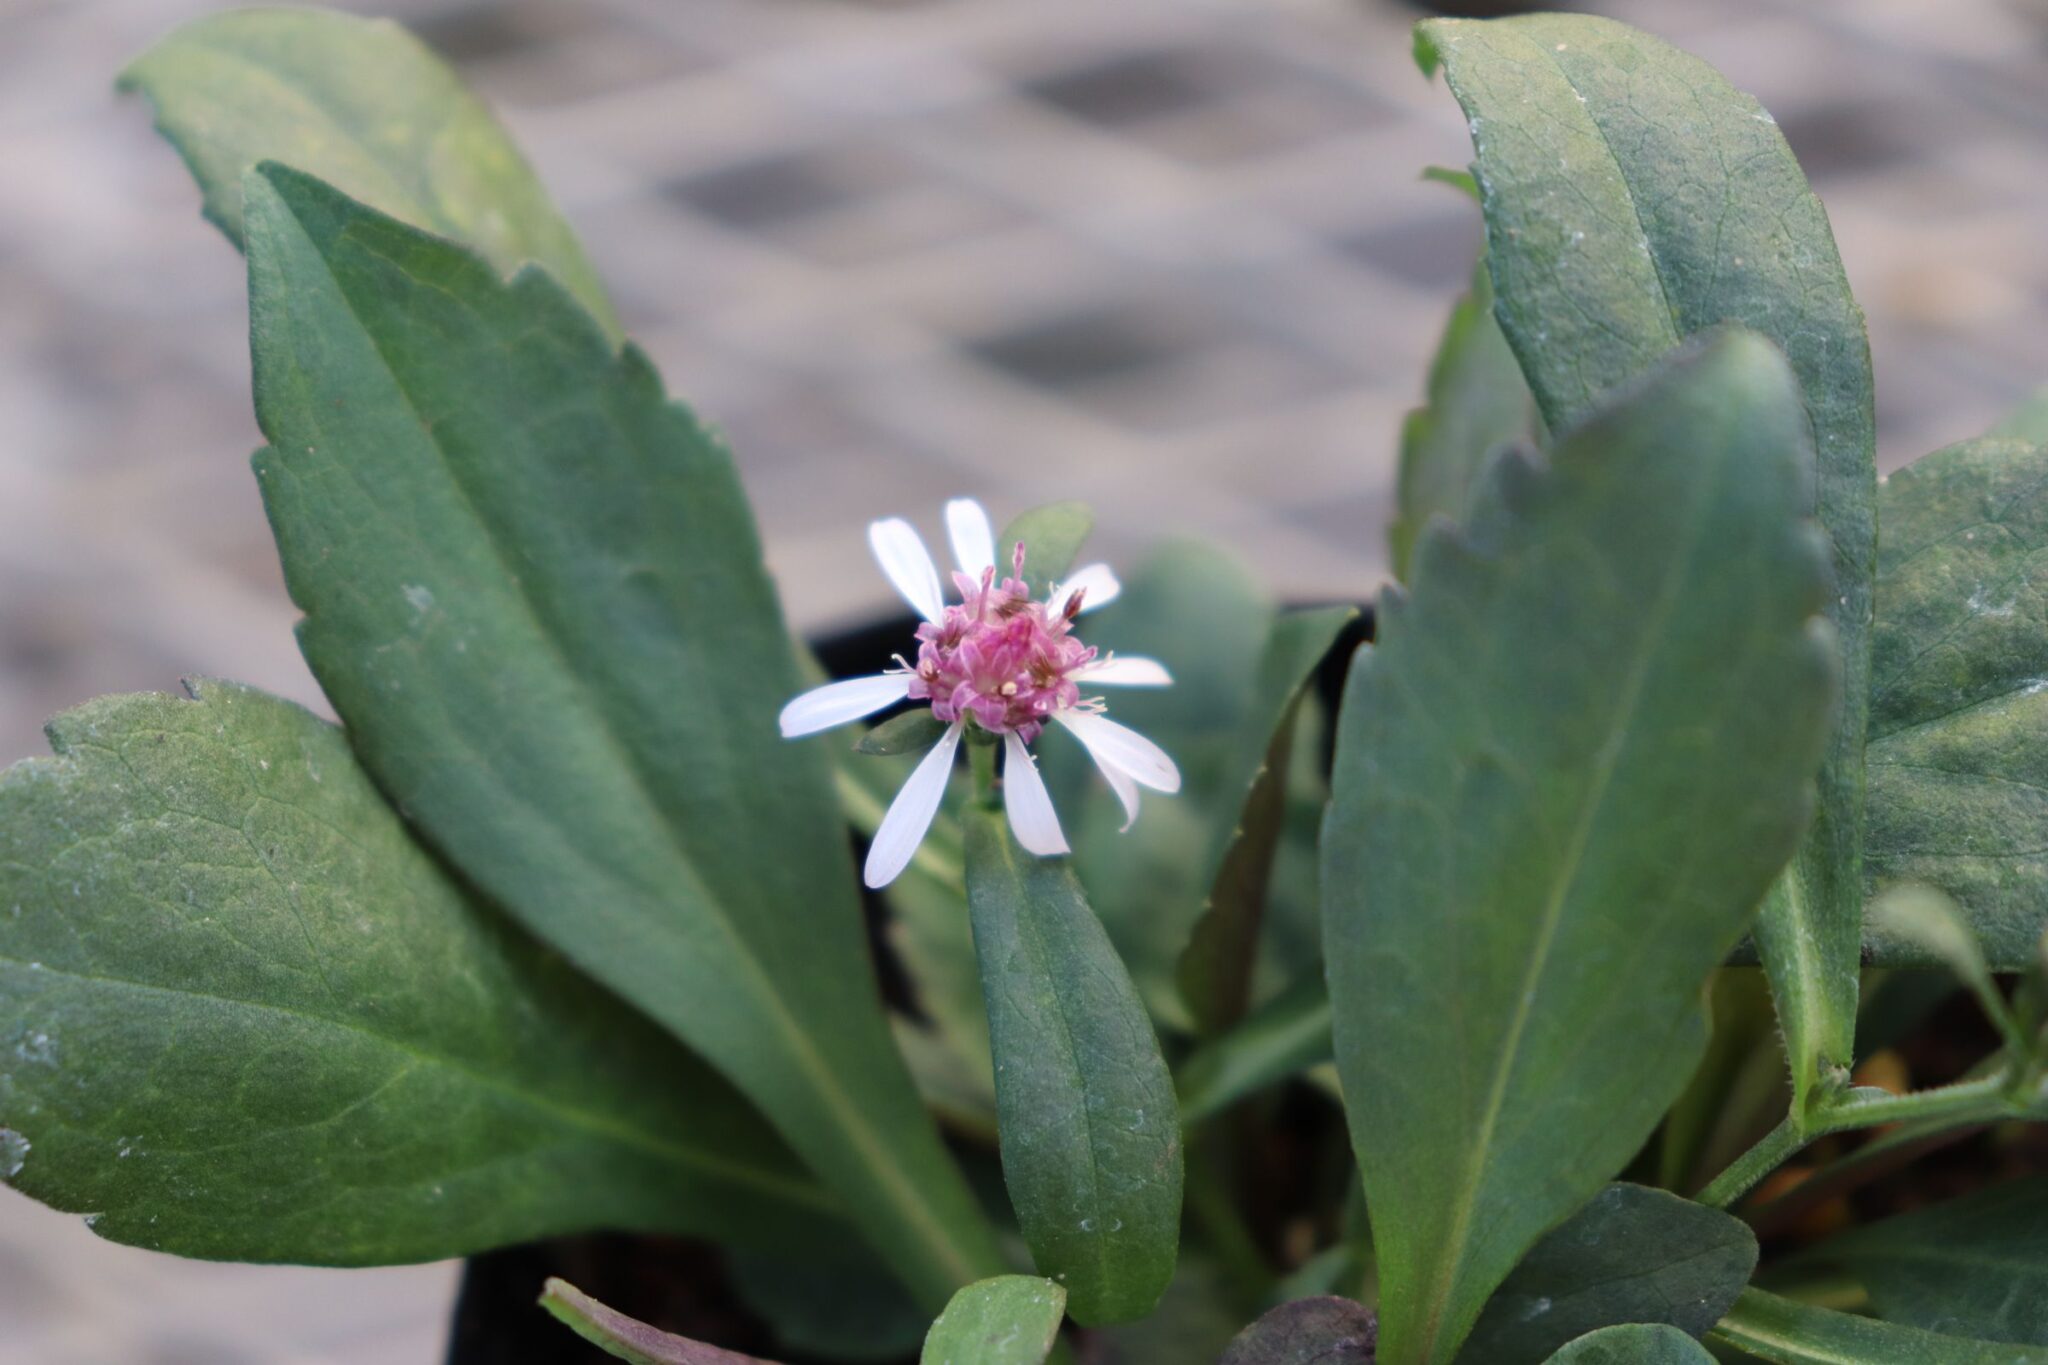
(999,657)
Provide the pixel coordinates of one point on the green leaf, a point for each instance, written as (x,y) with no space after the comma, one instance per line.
(534,591)
(1215,971)
(1788,1333)
(1633,1344)
(1632,1255)
(629,1339)
(913,732)
(250,1019)
(1462,181)
(368,108)
(1282,1038)
(1477,401)
(1321,1331)
(1633,197)
(1090,1133)
(1975,1266)
(1566,773)
(1006,1320)
(2029,422)
(1052,536)
(1959,693)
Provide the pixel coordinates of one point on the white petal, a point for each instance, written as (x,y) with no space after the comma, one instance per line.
(1099,583)
(1120,747)
(1029,804)
(1128,670)
(974,544)
(902,555)
(821,708)
(910,814)
(1126,792)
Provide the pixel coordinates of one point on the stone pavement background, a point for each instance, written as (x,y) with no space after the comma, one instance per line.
(1170,256)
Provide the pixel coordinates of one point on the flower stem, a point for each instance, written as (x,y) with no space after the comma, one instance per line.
(981,761)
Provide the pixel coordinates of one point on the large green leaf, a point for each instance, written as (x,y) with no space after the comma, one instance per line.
(1565,775)
(1634,197)
(1090,1132)
(1215,970)
(365,106)
(1003,1320)
(1785,1332)
(534,591)
(1633,1344)
(1975,1266)
(1959,692)
(247,1017)
(1632,1255)
(1477,402)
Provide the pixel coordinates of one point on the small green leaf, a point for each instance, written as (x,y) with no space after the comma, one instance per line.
(1975,1266)
(1052,537)
(1282,1038)
(1579,753)
(248,1018)
(1633,1344)
(1959,692)
(1322,1331)
(534,591)
(1785,1332)
(629,1339)
(1007,1320)
(1632,1255)
(1215,970)
(913,732)
(1477,401)
(1633,198)
(2028,422)
(1090,1131)
(368,108)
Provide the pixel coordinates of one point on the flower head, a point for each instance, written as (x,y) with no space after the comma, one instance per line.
(1003,662)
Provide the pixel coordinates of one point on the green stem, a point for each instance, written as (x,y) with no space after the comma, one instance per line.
(1753,1165)
(1973,1101)
(981,762)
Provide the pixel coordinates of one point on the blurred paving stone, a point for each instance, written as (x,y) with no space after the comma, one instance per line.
(1171,256)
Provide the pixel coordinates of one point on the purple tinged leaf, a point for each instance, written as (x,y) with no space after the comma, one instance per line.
(1325,1331)
(630,1339)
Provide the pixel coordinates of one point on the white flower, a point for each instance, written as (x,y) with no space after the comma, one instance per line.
(1005,663)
